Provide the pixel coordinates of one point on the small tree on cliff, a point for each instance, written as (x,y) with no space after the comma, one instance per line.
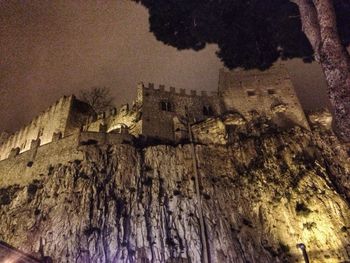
(99,98)
(255,33)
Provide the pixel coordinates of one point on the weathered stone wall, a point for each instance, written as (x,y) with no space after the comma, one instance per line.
(115,119)
(54,119)
(64,117)
(158,123)
(30,165)
(270,92)
(247,92)
(210,131)
(98,138)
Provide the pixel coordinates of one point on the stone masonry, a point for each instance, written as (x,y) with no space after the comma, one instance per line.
(160,114)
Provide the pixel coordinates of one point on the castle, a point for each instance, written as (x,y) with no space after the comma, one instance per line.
(165,114)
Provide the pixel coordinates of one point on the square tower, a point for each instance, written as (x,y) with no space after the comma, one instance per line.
(269,92)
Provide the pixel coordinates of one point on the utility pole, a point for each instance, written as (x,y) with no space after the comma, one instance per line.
(205,256)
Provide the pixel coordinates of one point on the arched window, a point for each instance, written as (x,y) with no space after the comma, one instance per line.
(207,110)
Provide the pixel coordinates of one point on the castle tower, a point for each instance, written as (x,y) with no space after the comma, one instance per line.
(269,92)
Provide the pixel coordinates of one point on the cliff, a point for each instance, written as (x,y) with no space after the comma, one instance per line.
(260,196)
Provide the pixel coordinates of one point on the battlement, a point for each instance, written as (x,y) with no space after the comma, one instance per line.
(162,89)
(21,168)
(276,76)
(64,117)
(159,111)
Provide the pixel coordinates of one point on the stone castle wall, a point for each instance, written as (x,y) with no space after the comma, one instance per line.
(43,127)
(160,113)
(25,167)
(270,92)
(115,120)
(158,121)
(62,118)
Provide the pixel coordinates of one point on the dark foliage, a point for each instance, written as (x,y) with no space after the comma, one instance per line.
(249,33)
(99,98)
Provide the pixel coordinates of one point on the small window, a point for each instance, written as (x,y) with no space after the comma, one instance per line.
(271,91)
(251,93)
(207,110)
(165,106)
(113,111)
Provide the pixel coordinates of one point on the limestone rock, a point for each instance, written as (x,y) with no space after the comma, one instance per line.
(260,197)
(321,118)
(279,108)
(234,119)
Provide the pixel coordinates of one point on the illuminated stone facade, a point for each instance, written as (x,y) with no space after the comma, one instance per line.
(63,118)
(90,194)
(270,92)
(160,114)
(163,113)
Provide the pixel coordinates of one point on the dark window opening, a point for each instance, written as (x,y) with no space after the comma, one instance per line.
(89,142)
(208,111)
(165,106)
(250,93)
(271,91)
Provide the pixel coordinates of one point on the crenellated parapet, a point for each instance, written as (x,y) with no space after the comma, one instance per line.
(162,89)
(162,105)
(42,126)
(64,117)
(23,167)
(162,113)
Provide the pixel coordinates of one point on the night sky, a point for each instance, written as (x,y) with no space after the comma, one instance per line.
(54,48)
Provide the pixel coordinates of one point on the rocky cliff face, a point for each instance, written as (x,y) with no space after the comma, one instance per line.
(259,198)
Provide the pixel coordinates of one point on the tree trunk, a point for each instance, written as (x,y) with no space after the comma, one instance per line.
(332,55)
(310,25)
(335,62)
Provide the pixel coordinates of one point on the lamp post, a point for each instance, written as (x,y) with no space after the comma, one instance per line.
(302,247)
(205,256)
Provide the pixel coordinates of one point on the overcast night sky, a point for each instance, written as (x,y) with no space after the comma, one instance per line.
(54,48)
